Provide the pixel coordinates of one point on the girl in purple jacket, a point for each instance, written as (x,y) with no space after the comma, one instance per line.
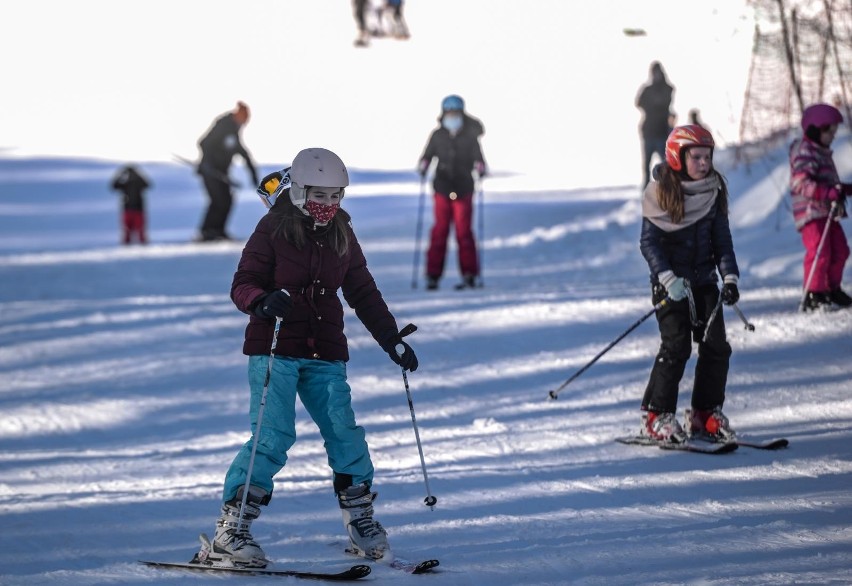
(300,254)
(818,204)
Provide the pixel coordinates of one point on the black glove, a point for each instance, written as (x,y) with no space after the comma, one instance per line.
(405,357)
(730,294)
(422,168)
(273,305)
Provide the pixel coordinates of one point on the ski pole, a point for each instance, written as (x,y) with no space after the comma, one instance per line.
(748,325)
(555,393)
(430,500)
(207,172)
(417,232)
(259,419)
(480,232)
(712,317)
(816,256)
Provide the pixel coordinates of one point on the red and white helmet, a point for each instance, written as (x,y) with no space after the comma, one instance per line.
(684,137)
(820,115)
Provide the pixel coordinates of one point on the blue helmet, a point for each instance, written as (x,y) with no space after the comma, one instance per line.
(452,102)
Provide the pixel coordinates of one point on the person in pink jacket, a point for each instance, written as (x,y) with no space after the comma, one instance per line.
(819,202)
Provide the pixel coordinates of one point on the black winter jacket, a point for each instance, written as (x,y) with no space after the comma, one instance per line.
(457,156)
(132,185)
(313,276)
(693,252)
(220,144)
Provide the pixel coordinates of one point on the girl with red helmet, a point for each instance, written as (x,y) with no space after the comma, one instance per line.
(686,240)
(818,199)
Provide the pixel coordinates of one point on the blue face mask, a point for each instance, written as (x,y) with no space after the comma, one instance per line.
(451,122)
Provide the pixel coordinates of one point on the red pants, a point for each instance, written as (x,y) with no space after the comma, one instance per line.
(828,271)
(460,212)
(133,223)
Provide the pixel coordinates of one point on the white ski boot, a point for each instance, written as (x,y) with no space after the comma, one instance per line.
(233,544)
(367,537)
(662,427)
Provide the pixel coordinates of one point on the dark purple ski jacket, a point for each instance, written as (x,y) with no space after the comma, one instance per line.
(312,276)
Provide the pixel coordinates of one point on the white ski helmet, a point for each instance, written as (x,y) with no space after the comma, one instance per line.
(315,167)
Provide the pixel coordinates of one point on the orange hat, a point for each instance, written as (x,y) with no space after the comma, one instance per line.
(242,112)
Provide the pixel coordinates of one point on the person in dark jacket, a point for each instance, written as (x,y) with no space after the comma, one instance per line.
(218,147)
(686,240)
(132,185)
(455,143)
(301,254)
(654,99)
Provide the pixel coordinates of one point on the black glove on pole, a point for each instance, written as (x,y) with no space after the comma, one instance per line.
(274,305)
(730,294)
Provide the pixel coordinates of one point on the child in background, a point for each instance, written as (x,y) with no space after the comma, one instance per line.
(686,240)
(818,205)
(130,182)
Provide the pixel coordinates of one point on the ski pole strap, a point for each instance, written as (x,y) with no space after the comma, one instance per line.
(712,317)
(693,314)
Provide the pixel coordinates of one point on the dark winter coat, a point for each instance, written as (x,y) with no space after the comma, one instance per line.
(694,251)
(655,101)
(312,276)
(456,155)
(132,185)
(219,146)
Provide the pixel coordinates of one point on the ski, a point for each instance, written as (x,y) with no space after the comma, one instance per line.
(414,567)
(353,573)
(686,446)
(773,444)
(407,566)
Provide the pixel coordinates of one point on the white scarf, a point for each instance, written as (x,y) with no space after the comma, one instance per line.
(699,198)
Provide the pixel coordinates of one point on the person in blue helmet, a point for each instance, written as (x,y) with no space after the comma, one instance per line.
(455,145)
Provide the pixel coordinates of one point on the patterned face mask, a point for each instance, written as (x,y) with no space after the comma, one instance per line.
(322,214)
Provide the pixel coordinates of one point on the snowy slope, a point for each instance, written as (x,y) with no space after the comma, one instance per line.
(122,387)
(123,396)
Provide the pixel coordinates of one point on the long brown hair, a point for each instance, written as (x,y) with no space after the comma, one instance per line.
(670,191)
(293,225)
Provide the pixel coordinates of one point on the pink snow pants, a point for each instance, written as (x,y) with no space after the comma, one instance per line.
(828,270)
(459,211)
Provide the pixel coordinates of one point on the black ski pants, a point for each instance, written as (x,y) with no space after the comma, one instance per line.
(677,333)
(221,200)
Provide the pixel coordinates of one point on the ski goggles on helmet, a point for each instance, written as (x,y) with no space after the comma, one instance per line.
(273,185)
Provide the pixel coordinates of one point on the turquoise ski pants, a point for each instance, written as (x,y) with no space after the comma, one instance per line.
(321,386)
